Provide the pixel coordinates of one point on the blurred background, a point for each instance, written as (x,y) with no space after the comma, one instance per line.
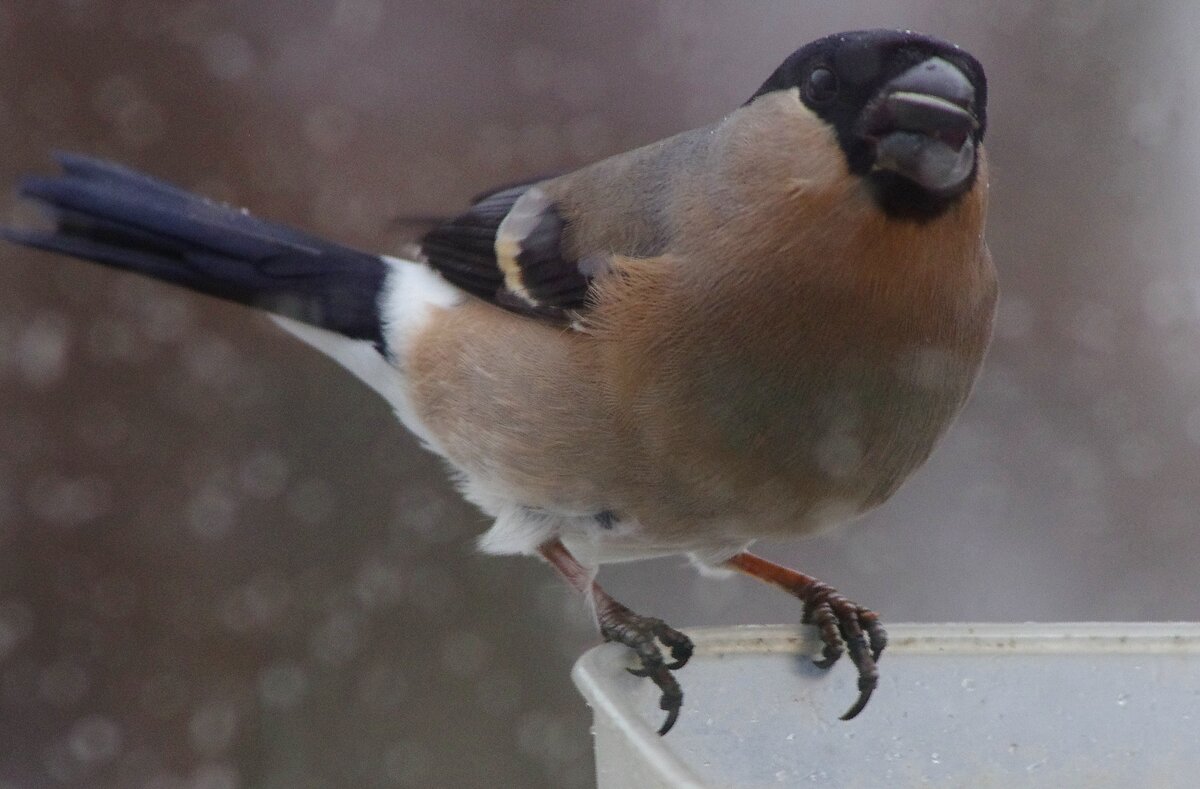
(224,564)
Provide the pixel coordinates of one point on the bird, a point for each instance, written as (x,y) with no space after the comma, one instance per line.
(759,328)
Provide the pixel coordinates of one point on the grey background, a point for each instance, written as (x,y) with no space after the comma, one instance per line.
(222,562)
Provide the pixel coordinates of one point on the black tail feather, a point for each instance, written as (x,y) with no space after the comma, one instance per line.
(122,218)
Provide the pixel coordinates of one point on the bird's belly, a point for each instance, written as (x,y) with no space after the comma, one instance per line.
(804,464)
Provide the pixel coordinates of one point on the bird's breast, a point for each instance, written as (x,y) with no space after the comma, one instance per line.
(800,385)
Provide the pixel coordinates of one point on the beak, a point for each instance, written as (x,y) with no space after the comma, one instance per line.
(922,125)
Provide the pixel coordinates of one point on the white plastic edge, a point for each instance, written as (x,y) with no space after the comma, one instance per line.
(1025,637)
(592,671)
(595,671)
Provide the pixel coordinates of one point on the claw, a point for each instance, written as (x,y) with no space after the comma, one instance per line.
(863,652)
(846,627)
(822,615)
(866,686)
(639,633)
(829,655)
(843,625)
(671,700)
(672,697)
(681,649)
(672,716)
(863,697)
(875,632)
(679,644)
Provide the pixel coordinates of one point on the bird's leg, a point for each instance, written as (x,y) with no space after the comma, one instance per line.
(840,621)
(640,633)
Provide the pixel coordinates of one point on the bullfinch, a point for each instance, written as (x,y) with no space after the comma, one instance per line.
(758,328)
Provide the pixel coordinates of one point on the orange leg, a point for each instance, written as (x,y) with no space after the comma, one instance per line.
(840,621)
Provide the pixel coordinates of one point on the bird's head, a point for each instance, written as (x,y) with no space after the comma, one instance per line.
(908,112)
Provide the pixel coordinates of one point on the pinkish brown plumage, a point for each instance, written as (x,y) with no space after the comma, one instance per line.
(757,328)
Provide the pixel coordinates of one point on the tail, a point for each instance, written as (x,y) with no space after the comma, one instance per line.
(121,218)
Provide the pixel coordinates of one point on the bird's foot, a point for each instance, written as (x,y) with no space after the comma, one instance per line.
(643,634)
(845,626)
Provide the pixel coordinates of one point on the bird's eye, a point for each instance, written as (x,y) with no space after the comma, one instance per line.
(821,86)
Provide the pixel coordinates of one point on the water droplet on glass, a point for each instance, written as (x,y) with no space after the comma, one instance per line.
(16,621)
(408,763)
(263,474)
(465,653)
(383,687)
(41,349)
(282,686)
(212,512)
(215,775)
(213,726)
(310,501)
(379,583)
(94,739)
(164,695)
(69,501)
(329,128)
(141,123)
(229,56)
(339,638)
(63,684)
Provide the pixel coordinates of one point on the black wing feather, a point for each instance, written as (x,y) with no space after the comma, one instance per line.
(463,250)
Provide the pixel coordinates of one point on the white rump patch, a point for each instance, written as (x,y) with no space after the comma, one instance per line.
(410,293)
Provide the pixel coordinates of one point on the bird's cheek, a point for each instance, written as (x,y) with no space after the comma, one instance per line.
(780,142)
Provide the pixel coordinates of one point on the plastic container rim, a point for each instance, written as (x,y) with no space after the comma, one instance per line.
(599,663)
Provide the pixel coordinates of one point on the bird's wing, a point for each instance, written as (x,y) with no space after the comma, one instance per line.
(539,247)
(508,248)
